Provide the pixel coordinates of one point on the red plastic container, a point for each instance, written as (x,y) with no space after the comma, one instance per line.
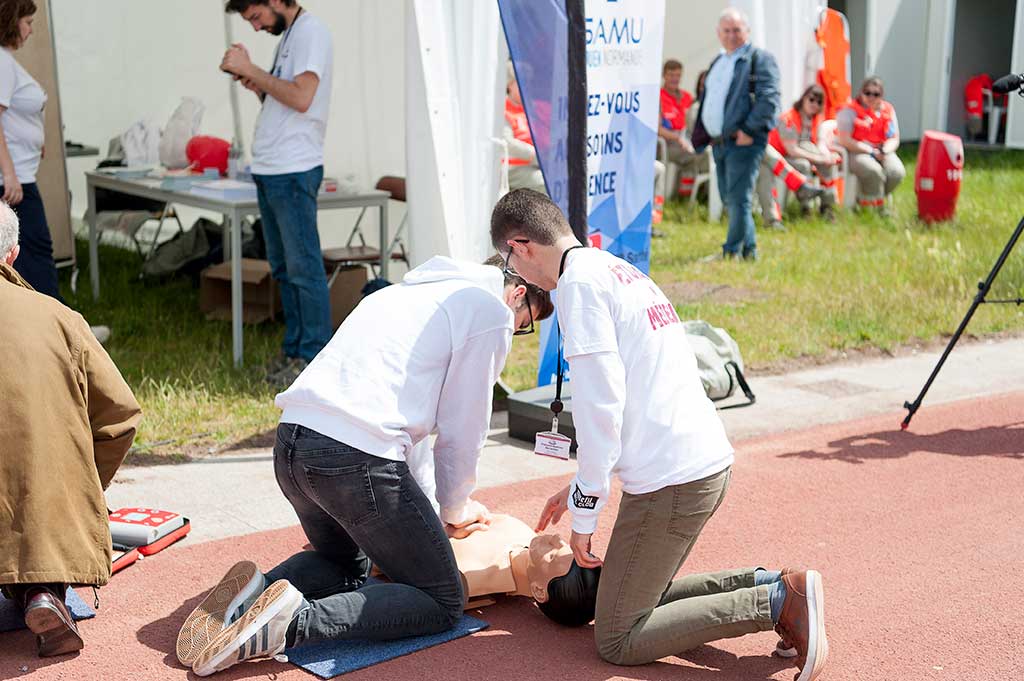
(940,165)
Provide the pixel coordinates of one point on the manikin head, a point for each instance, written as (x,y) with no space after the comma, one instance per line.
(272,16)
(811,101)
(8,235)
(733,29)
(671,74)
(528,303)
(871,93)
(16,17)
(565,592)
(531,227)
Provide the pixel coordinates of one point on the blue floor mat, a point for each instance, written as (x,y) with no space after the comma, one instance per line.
(11,618)
(333,658)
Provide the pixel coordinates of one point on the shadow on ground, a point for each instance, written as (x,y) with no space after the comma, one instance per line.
(996,441)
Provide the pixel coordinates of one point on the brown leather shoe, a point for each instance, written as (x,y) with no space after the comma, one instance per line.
(50,621)
(784,648)
(802,622)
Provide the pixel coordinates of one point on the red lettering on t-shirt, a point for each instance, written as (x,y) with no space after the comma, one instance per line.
(626,273)
(662,315)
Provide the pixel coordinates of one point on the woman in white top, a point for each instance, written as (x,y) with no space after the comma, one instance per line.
(21,148)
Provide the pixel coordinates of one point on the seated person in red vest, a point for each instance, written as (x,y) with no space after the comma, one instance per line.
(868,129)
(523,168)
(795,140)
(974,102)
(675,103)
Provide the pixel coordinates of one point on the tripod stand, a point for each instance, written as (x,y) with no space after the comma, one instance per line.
(983,289)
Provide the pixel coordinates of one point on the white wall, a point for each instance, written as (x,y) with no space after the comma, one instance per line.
(899,43)
(690,36)
(1015,110)
(936,93)
(122,60)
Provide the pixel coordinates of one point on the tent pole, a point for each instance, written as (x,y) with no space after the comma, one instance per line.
(576,142)
(236,113)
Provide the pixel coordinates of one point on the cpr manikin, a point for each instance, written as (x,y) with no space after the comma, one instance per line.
(511,559)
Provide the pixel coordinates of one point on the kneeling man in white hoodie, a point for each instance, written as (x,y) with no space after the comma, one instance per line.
(411,359)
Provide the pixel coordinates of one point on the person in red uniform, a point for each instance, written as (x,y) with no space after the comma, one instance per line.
(974,102)
(675,103)
(868,129)
(523,167)
(796,140)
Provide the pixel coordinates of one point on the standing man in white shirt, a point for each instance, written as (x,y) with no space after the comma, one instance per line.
(641,413)
(287,165)
(411,359)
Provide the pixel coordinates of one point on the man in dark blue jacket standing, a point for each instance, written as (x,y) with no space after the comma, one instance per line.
(738,109)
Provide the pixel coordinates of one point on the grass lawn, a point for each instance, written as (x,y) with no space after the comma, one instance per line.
(819,289)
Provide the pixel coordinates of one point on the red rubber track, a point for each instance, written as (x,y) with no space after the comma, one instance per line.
(918,536)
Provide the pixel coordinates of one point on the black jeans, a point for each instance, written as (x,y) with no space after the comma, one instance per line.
(356,508)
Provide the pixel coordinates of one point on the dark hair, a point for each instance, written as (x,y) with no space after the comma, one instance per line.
(529,213)
(872,80)
(699,87)
(671,65)
(540,299)
(11,12)
(813,89)
(572,598)
(240,6)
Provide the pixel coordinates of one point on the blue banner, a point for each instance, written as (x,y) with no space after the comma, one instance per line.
(624,41)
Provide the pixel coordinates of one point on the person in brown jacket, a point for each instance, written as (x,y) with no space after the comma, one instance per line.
(67,419)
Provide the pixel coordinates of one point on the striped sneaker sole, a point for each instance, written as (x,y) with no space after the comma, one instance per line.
(254,634)
(208,619)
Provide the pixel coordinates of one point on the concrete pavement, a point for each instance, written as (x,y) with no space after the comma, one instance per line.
(233,495)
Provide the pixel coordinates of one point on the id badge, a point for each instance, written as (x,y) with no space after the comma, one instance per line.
(550,443)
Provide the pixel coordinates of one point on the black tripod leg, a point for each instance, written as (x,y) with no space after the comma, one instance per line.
(983,289)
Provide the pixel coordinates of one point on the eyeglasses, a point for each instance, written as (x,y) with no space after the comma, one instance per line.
(815,99)
(526,330)
(872,93)
(508,271)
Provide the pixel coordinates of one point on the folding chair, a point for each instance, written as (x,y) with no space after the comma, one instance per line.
(361,254)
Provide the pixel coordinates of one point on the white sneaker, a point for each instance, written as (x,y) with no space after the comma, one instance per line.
(102,333)
(226,602)
(259,632)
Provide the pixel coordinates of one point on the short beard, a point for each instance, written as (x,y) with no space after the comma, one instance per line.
(279,24)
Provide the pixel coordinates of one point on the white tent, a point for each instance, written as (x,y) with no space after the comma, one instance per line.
(418,87)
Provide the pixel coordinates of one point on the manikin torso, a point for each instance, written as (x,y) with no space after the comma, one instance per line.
(510,558)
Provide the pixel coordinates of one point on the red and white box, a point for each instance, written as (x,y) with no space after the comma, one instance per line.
(148,529)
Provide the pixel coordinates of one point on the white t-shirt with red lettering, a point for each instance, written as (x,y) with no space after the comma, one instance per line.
(638,405)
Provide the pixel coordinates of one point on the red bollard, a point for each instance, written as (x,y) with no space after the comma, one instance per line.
(940,163)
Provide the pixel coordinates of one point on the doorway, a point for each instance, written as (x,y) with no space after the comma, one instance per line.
(982,43)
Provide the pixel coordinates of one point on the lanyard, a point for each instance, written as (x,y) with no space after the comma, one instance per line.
(280,47)
(556,405)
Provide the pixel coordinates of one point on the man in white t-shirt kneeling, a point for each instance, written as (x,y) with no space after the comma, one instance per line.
(287,166)
(640,412)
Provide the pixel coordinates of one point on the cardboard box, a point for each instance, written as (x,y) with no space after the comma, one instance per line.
(345,285)
(260,299)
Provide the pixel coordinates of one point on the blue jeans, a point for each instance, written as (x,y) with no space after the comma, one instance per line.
(737,169)
(357,508)
(288,210)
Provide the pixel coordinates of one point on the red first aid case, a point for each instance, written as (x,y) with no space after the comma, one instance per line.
(149,530)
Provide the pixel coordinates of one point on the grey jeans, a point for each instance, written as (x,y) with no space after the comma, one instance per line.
(356,508)
(642,613)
